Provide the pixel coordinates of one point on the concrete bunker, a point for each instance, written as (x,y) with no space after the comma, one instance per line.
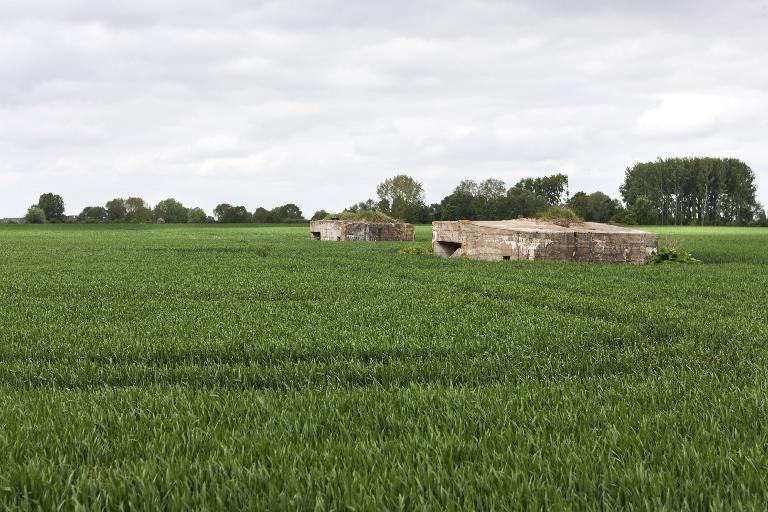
(361,230)
(531,239)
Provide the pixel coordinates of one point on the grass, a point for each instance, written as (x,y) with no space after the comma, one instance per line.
(252,368)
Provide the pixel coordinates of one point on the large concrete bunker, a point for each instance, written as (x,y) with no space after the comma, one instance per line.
(361,230)
(531,239)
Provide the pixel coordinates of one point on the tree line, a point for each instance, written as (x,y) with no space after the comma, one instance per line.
(135,210)
(692,191)
(402,197)
(676,191)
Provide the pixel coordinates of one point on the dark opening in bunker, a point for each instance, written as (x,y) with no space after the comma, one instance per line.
(315,235)
(446,249)
(505,258)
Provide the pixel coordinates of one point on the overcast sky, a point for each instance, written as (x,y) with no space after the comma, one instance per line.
(261,103)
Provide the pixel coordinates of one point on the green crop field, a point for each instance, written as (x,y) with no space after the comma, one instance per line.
(177,368)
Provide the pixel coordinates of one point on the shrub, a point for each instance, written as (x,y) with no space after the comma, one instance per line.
(35,215)
(626,217)
(196,216)
(320,215)
(365,215)
(416,250)
(665,256)
(761,219)
(562,216)
(93,214)
(171,211)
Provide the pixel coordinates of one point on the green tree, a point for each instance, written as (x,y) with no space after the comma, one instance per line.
(553,188)
(461,203)
(402,197)
(137,211)
(579,203)
(401,187)
(467,187)
(53,206)
(703,191)
(287,213)
(368,205)
(116,210)
(761,218)
(595,207)
(644,211)
(490,201)
(491,189)
(221,211)
(417,213)
(196,216)
(262,216)
(523,202)
(320,215)
(35,215)
(171,211)
(601,207)
(93,214)
(458,206)
(226,213)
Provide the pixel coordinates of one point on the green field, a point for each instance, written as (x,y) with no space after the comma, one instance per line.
(249,368)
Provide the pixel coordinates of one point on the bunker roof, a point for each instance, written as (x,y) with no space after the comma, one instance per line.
(535,225)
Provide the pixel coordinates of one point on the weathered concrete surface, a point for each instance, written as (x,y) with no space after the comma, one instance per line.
(529,239)
(356,230)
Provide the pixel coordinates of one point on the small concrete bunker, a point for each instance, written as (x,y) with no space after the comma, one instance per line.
(361,230)
(531,239)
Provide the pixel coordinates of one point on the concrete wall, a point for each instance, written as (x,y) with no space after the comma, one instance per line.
(350,230)
(512,240)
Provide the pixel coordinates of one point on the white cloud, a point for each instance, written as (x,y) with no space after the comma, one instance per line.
(315,102)
(685,115)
